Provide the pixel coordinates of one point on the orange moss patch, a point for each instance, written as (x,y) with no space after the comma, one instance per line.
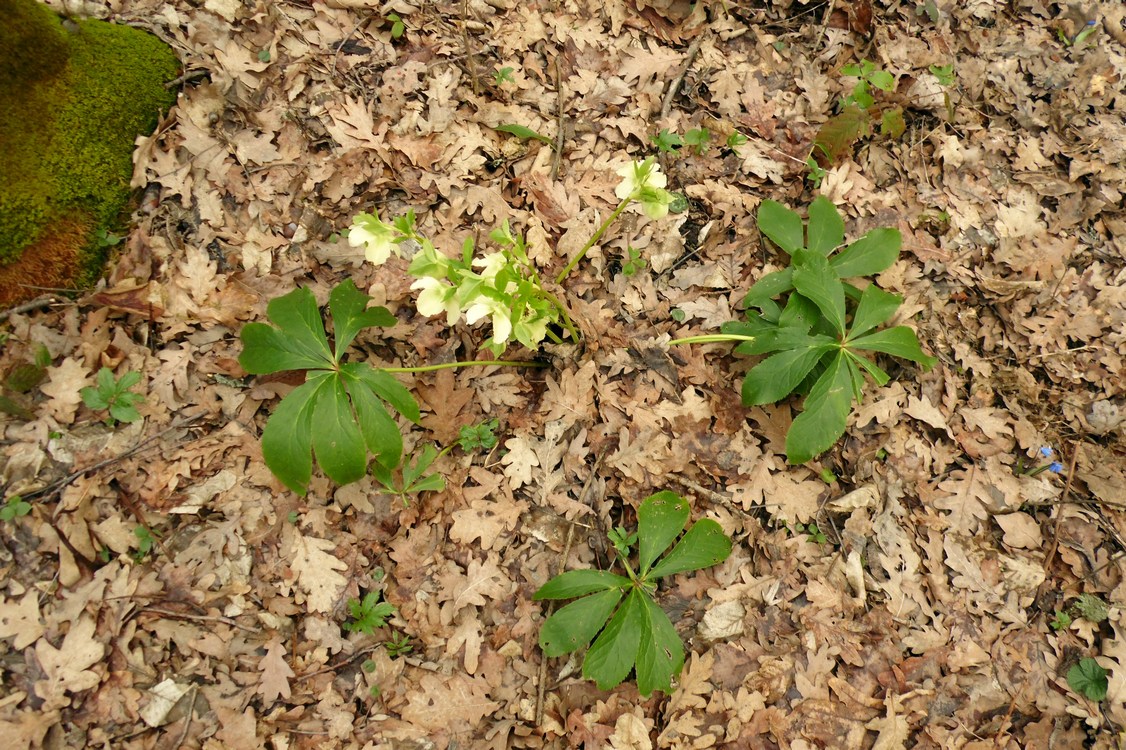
(52,261)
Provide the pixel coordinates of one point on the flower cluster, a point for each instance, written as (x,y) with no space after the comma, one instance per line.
(501,286)
(643,182)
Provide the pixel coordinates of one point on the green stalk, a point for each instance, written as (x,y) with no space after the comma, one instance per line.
(712,338)
(590,243)
(476,362)
(570,326)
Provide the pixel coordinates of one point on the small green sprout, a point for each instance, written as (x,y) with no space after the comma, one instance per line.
(735,140)
(399,645)
(678,315)
(146,541)
(411,479)
(504,75)
(478,437)
(635,263)
(15,507)
(944,73)
(1060,621)
(264,55)
(697,139)
(114,395)
(397,25)
(667,141)
(368,614)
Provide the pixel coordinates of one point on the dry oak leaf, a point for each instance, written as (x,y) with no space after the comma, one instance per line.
(68,667)
(486,521)
(456,704)
(63,385)
(21,620)
(482,581)
(316,570)
(275,673)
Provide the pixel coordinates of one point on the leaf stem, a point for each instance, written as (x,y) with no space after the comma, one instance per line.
(476,362)
(594,238)
(712,338)
(570,326)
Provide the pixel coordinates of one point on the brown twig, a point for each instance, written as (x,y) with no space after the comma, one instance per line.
(36,304)
(560,135)
(670,93)
(56,486)
(469,61)
(187,719)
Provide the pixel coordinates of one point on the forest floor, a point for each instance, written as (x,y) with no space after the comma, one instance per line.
(164,590)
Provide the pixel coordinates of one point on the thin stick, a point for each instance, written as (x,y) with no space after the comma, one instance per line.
(188,719)
(1054,547)
(670,94)
(38,303)
(557,159)
(469,61)
(345,40)
(58,484)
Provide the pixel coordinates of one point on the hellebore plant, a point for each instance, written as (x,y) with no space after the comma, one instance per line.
(503,286)
(815,334)
(636,635)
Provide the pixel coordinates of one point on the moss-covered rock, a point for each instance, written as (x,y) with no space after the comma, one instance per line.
(73,99)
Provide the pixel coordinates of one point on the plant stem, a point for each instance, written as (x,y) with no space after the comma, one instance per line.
(590,243)
(476,362)
(713,338)
(562,311)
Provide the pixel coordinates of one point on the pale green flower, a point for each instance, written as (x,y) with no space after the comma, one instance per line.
(437,297)
(377,238)
(492,264)
(532,330)
(500,313)
(643,182)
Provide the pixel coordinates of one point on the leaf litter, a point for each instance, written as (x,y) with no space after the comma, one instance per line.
(923,619)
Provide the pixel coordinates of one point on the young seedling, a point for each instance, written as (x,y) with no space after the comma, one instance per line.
(634,264)
(504,75)
(698,139)
(398,645)
(368,614)
(637,635)
(667,142)
(480,437)
(14,507)
(816,332)
(114,395)
(146,540)
(411,479)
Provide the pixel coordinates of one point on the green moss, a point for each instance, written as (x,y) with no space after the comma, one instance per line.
(68,136)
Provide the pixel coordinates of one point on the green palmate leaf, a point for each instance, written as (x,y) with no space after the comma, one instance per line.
(898,342)
(826,227)
(778,339)
(287,440)
(876,307)
(769,287)
(704,545)
(781,225)
(337,441)
(572,627)
(1088,678)
(799,314)
(389,389)
(814,278)
(661,654)
(380,432)
(872,253)
(301,336)
(777,376)
(870,367)
(348,306)
(614,653)
(574,583)
(660,519)
(825,413)
(124,411)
